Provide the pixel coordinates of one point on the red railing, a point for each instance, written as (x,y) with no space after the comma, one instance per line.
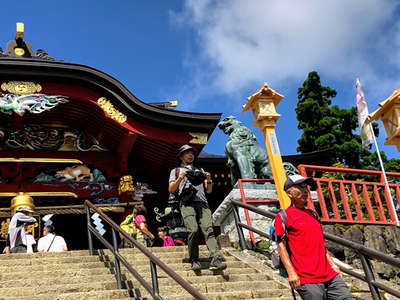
(242,189)
(359,197)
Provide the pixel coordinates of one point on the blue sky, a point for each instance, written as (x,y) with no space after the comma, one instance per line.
(211,55)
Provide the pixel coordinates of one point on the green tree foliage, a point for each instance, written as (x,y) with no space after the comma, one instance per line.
(329,127)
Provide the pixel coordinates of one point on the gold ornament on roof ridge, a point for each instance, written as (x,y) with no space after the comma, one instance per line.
(21,87)
(111,110)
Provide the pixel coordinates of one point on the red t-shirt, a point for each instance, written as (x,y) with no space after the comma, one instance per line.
(305,245)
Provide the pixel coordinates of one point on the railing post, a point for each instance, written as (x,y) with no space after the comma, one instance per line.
(369,276)
(116,261)
(154,278)
(90,240)
(239,229)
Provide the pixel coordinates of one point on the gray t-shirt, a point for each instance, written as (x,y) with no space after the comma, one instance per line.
(200,195)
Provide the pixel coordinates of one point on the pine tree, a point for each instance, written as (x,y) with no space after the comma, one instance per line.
(327,127)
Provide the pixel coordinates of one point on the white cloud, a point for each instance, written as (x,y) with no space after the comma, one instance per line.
(244,43)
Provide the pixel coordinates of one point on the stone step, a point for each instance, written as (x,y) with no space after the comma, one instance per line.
(49,260)
(63,272)
(92,295)
(136,261)
(40,254)
(186,266)
(51,267)
(44,281)
(161,255)
(189,273)
(273,294)
(163,280)
(273,298)
(57,289)
(165,249)
(204,288)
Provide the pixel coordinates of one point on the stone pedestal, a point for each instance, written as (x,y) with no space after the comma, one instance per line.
(223,215)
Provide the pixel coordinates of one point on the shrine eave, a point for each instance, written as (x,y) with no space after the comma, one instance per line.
(62,72)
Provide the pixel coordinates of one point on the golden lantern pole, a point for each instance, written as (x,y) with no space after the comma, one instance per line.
(263,104)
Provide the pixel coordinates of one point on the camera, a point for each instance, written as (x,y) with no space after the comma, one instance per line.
(195,177)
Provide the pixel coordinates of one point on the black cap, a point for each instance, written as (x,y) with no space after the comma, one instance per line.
(185,148)
(296,179)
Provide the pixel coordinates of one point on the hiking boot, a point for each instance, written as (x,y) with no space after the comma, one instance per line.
(217,263)
(196,265)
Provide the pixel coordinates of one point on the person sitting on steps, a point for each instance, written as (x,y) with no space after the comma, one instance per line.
(50,242)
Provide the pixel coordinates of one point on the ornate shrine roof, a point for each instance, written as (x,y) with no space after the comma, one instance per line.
(102,106)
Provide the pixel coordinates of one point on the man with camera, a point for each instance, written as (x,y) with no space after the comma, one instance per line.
(190,185)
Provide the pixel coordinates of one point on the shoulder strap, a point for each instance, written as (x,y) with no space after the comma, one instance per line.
(283,215)
(51,243)
(315,214)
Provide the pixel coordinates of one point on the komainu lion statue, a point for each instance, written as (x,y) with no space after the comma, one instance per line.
(246,159)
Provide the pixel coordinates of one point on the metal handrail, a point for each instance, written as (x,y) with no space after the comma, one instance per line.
(363,252)
(154,260)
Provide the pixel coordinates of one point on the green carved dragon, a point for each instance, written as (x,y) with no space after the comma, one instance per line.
(33,103)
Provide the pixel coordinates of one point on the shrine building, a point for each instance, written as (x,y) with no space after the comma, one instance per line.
(69,132)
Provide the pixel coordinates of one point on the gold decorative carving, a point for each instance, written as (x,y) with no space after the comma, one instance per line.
(41,194)
(72,209)
(41,160)
(4,228)
(198,138)
(111,110)
(126,184)
(21,87)
(31,229)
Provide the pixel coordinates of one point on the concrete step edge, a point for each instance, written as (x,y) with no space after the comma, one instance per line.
(60,288)
(37,282)
(56,273)
(108,294)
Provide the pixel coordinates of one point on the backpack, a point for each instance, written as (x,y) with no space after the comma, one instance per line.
(275,259)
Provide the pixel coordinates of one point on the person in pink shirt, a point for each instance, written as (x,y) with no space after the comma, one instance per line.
(144,236)
(163,234)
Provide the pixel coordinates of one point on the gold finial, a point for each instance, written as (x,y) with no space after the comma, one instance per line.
(20,30)
(173,103)
(21,199)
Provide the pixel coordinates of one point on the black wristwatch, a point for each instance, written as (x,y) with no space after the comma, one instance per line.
(209,181)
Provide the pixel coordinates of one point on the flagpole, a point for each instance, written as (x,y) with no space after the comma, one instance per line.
(391,203)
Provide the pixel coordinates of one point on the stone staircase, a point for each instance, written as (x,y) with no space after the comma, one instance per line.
(75,275)
(238,281)
(72,275)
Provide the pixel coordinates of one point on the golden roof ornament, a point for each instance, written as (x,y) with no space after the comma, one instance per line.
(21,199)
(21,87)
(111,110)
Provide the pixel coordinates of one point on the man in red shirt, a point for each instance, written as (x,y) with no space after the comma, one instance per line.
(301,247)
